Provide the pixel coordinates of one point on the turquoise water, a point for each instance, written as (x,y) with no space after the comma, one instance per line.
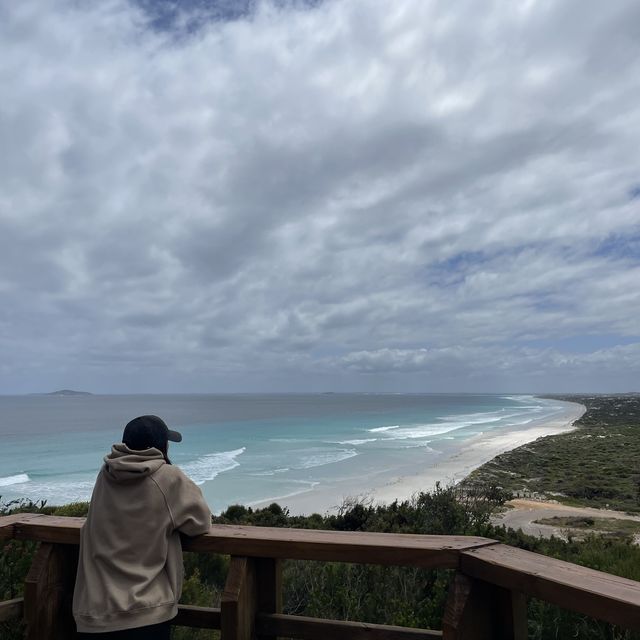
(249,448)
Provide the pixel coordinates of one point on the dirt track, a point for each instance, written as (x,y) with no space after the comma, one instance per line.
(522,513)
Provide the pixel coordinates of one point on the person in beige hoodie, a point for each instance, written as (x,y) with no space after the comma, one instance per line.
(130,567)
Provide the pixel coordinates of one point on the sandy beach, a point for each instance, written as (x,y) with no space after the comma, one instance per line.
(449,470)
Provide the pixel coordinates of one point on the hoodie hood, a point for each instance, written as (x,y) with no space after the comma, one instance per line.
(125,465)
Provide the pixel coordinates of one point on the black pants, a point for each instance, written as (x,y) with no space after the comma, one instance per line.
(160,631)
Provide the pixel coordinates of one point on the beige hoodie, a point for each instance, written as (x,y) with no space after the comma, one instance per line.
(130,568)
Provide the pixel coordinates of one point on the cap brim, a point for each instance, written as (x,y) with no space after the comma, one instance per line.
(174,436)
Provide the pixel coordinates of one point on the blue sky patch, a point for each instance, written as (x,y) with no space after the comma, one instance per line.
(189,15)
(168,15)
(547,302)
(620,247)
(453,270)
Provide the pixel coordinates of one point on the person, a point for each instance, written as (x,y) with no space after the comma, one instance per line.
(130,570)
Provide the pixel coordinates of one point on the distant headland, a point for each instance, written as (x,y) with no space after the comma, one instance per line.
(67,392)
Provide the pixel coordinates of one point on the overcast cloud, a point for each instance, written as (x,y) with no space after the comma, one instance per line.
(358,195)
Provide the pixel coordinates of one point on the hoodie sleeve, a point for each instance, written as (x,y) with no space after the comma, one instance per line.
(187,507)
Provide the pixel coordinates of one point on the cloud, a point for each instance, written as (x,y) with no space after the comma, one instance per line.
(517,368)
(301,195)
(475,361)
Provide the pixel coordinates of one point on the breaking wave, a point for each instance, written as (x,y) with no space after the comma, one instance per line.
(19,478)
(354,442)
(325,457)
(383,429)
(211,465)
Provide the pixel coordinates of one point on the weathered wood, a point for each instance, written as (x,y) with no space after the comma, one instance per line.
(48,593)
(319,629)
(341,546)
(512,607)
(7,523)
(200,617)
(593,593)
(394,549)
(477,610)
(52,529)
(465,615)
(239,600)
(513,572)
(11,609)
(269,589)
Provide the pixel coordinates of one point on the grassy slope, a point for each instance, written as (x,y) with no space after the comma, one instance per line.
(611,526)
(596,465)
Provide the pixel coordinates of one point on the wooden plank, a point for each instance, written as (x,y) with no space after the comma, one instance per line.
(200,617)
(512,607)
(48,593)
(318,629)
(466,613)
(11,609)
(477,610)
(269,589)
(239,599)
(593,593)
(52,529)
(299,544)
(36,610)
(7,523)
(341,546)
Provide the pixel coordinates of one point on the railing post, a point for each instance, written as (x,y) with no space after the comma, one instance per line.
(239,601)
(253,585)
(269,588)
(48,593)
(478,610)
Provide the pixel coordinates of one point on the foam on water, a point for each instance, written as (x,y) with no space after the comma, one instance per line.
(451,423)
(19,478)
(474,418)
(483,418)
(56,492)
(306,486)
(211,465)
(270,473)
(325,457)
(418,431)
(353,442)
(422,445)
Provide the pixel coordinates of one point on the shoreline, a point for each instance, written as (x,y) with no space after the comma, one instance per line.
(450,470)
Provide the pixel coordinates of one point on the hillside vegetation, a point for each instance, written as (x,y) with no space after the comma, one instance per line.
(596,465)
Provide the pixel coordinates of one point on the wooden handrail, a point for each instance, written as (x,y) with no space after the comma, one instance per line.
(570,586)
(397,549)
(488,592)
(310,628)
(11,609)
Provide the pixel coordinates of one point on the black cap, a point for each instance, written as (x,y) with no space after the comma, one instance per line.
(145,432)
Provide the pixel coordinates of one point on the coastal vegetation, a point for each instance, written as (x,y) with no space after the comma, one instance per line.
(391,595)
(616,527)
(595,465)
(416,597)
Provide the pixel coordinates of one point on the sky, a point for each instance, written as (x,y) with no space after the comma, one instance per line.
(352,195)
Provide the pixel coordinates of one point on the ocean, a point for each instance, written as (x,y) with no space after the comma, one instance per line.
(251,449)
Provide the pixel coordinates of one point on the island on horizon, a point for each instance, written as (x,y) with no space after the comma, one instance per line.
(66,392)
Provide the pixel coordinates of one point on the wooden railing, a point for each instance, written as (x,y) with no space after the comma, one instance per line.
(487,598)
